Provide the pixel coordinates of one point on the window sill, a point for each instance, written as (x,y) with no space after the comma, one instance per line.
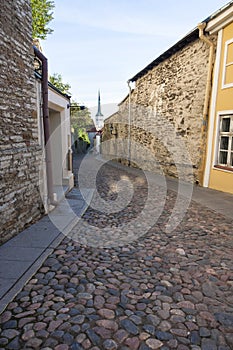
(222,167)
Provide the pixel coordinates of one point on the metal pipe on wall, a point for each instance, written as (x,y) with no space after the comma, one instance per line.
(129,123)
(45,111)
(201,27)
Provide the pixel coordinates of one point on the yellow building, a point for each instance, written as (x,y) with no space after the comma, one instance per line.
(219,157)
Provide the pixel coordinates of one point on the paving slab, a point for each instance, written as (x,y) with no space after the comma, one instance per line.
(34,237)
(6,284)
(22,255)
(13,269)
(13,286)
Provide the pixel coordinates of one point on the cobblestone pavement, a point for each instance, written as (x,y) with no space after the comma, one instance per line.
(162,291)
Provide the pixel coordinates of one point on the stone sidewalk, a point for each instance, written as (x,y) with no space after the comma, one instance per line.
(164,290)
(21,256)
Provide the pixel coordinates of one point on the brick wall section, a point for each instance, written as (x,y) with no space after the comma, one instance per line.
(167,112)
(20,153)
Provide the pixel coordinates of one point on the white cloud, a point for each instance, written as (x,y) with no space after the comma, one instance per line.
(114,18)
(101,44)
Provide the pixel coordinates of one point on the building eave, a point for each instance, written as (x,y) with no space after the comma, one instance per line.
(190,37)
(124,99)
(107,120)
(220,19)
(54,88)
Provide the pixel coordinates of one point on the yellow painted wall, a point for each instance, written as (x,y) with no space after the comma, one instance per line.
(222,180)
(224,98)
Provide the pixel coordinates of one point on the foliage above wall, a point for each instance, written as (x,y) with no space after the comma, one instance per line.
(42,14)
(56,80)
(80,121)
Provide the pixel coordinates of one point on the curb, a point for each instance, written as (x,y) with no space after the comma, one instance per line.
(28,274)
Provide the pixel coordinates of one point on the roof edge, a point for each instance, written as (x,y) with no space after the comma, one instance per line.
(122,101)
(38,76)
(112,115)
(220,18)
(190,37)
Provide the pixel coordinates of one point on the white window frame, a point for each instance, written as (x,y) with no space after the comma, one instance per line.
(229,134)
(225,65)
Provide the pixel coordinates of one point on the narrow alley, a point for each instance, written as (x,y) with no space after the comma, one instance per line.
(116,175)
(164,290)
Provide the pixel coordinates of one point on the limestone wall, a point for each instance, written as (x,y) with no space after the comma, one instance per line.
(167,114)
(20,153)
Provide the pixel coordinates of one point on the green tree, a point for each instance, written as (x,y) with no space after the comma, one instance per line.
(80,116)
(80,121)
(56,80)
(42,14)
(83,135)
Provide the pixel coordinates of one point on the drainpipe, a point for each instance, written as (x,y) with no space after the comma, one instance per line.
(201,27)
(45,111)
(129,123)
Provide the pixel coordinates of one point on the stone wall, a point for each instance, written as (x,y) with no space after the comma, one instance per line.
(20,153)
(167,114)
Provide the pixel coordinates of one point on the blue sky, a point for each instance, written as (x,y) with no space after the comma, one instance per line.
(100,44)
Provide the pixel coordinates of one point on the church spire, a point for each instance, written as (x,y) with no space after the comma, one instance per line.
(99,106)
(99,117)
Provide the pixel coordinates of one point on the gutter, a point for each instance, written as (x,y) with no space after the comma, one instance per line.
(45,111)
(201,27)
(129,123)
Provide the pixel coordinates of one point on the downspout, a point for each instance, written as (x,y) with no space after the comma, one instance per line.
(129,123)
(45,111)
(201,27)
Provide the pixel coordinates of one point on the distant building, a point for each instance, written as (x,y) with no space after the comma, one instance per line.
(92,134)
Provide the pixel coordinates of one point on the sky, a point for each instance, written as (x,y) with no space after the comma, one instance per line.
(100,44)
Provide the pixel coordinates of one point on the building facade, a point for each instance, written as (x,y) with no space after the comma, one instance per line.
(25,192)
(59,144)
(167,110)
(219,158)
(20,152)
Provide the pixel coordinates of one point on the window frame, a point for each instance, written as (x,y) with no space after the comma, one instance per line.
(228,134)
(225,65)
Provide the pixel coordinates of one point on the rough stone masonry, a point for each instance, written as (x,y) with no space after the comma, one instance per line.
(166,110)
(20,153)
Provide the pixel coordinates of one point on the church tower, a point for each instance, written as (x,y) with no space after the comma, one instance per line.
(99,117)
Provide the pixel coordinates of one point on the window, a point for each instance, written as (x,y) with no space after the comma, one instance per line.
(227,79)
(225,150)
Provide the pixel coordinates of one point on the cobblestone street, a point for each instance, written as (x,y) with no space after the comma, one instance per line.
(161,291)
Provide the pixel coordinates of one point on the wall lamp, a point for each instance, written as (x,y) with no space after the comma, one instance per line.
(113,131)
(79,108)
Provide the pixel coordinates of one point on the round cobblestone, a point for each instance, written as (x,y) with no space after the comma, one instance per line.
(162,291)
